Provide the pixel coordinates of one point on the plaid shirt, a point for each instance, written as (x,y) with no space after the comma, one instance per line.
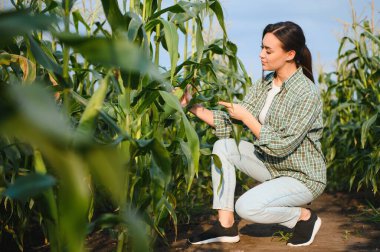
(289,139)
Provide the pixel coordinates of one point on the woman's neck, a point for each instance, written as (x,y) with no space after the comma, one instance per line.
(284,73)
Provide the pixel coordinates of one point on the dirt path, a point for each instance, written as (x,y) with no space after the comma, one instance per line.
(341,230)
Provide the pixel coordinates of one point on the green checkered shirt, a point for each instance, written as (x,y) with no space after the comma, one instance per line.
(289,139)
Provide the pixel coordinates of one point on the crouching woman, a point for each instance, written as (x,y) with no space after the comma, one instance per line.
(284,112)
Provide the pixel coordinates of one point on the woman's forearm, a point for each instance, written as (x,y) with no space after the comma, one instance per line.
(204,114)
(253,124)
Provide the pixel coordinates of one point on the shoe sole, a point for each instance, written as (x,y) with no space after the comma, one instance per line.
(317,225)
(229,239)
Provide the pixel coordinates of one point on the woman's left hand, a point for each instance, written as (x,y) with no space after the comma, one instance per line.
(236,111)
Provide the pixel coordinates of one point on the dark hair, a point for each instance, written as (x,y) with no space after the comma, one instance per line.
(292,38)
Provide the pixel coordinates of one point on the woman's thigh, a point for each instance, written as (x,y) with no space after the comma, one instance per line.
(243,157)
(278,192)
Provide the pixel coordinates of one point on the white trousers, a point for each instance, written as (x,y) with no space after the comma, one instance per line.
(273,201)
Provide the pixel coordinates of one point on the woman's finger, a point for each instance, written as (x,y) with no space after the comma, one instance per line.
(225,104)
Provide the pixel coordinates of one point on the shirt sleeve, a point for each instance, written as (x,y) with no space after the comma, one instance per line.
(222,120)
(284,142)
(222,123)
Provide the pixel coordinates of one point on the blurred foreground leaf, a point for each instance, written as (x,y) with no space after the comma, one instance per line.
(16,23)
(28,186)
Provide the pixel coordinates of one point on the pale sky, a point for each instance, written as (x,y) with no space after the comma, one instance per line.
(321,20)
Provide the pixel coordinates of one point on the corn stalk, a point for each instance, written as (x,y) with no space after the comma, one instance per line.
(114,89)
(351,108)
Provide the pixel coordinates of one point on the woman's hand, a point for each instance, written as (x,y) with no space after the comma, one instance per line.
(236,111)
(186,97)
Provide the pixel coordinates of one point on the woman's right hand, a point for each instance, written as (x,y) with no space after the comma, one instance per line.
(186,97)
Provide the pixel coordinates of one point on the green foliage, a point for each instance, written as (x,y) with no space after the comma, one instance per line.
(88,119)
(374,214)
(282,236)
(28,186)
(351,108)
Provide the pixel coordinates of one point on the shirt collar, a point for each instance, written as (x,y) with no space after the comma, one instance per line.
(295,76)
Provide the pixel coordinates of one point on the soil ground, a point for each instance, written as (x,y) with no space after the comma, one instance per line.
(343,229)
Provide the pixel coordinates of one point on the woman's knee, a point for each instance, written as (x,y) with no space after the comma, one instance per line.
(220,146)
(249,209)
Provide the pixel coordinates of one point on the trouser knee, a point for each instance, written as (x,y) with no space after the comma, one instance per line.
(220,146)
(220,149)
(248,210)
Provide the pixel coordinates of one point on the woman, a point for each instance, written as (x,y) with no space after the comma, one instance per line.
(284,113)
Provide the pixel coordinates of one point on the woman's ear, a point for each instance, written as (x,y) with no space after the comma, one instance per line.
(291,55)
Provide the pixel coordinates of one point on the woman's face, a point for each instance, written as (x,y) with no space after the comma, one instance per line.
(272,55)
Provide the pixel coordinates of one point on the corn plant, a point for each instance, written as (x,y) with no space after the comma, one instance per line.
(96,114)
(351,108)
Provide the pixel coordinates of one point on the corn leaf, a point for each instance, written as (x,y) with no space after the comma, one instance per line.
(42,58)
(15,23)
(87,122)
(365,129)
(29,186)
(192,137)
(28,68)
(113,14)
(217,8)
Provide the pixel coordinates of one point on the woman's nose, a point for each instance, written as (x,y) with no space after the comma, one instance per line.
(261,55)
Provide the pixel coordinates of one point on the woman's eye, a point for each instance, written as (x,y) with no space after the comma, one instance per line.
(268,52)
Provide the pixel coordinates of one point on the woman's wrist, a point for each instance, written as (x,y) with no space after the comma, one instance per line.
(253,124)
(248,118)
(194,108)
(203,113)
